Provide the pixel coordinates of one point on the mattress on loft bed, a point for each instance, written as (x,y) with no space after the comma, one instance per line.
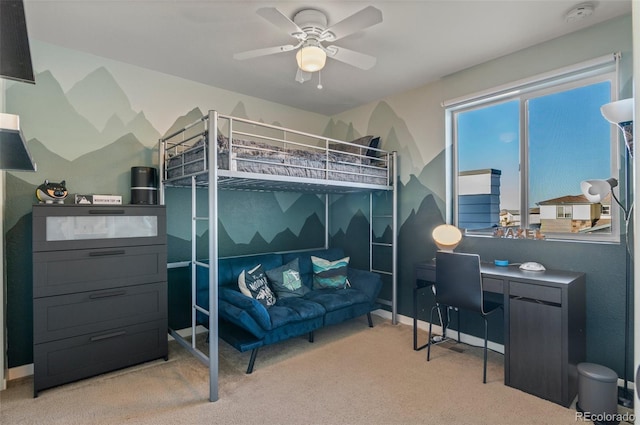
(263,158)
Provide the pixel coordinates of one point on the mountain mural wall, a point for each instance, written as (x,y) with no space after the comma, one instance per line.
(90,135)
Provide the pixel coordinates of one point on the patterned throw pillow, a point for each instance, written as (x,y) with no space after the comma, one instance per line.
(329,274)
(253,283)
(286,281)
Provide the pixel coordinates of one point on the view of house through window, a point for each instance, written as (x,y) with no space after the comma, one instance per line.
(520,160)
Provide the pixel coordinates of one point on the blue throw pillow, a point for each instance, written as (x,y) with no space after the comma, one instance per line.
(253,283)
(329,274)
(286,281)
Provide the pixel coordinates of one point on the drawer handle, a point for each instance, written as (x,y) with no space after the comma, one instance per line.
(536,301)
(107,294)
(103,253)
(106,212)
(107,336)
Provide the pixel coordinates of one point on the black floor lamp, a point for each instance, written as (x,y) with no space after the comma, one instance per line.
(620,113)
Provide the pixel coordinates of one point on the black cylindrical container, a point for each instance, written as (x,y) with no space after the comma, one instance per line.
(144,190)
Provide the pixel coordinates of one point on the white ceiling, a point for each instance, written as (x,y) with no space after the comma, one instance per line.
(417,42)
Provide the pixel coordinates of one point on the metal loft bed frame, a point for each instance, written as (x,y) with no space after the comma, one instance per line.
(199,173)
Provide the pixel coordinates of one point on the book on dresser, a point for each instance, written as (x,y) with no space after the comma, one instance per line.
(99,290)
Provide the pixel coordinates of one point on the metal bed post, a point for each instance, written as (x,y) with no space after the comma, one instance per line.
(371,217)
(194,259)
(326,220)
(212,136)
(161,157)
(394,228)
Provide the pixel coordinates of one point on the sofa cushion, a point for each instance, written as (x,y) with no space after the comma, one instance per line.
(329,274)
(335,299)
(252,308)
(285,280)
(253,283)
(294,309)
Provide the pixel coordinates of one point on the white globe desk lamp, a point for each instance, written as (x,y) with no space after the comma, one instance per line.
(446,237)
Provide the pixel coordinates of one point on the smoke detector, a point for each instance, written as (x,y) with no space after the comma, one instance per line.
(580,12)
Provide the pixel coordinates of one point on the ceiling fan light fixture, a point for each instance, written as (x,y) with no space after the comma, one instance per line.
(311,58)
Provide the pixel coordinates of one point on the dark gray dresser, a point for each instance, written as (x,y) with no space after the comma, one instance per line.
(99,290)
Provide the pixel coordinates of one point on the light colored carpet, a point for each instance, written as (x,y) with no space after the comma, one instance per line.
(352,374)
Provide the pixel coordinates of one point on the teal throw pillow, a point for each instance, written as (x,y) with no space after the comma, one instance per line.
(329,274)
(253,283)
(285,280)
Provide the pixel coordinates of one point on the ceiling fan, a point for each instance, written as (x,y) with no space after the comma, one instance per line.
(309,28)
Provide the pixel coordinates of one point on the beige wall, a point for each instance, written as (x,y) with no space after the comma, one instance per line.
(422,111)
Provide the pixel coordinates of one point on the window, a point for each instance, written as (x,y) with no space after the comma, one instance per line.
(520,153)
(564,212)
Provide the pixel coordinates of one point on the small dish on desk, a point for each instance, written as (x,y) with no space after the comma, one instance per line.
(532,266)
(501,263)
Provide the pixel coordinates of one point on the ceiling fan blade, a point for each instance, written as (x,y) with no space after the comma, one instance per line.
(278,19)
(302,76)
(365,18)
(249,54)
(350,57)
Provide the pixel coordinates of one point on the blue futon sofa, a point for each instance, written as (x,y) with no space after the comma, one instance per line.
(247,323)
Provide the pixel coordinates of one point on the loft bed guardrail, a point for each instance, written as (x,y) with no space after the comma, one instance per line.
(254,156)
(287,158)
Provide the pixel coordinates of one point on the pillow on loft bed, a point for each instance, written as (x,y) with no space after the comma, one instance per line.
(329,274)
(364,141)
(374,143)
(253,283)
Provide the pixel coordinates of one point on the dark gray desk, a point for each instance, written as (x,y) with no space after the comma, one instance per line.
(544,325)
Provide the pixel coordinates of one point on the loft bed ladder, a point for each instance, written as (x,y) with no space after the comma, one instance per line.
(389,271)
(209,359)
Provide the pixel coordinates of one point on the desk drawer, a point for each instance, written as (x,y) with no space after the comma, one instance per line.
(426,272)
(492,285)
(71,315)
(64,272)
(70,359)
(535,292)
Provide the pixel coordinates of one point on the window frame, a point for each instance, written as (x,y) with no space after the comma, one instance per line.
(568,78)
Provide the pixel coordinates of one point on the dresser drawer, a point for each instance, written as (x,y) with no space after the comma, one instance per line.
(70,359)
(65,316)
(63,272)
(63,227)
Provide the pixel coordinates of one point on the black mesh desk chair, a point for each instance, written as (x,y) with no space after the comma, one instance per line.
(459,285)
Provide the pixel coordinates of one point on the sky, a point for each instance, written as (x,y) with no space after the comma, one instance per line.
(568,142)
